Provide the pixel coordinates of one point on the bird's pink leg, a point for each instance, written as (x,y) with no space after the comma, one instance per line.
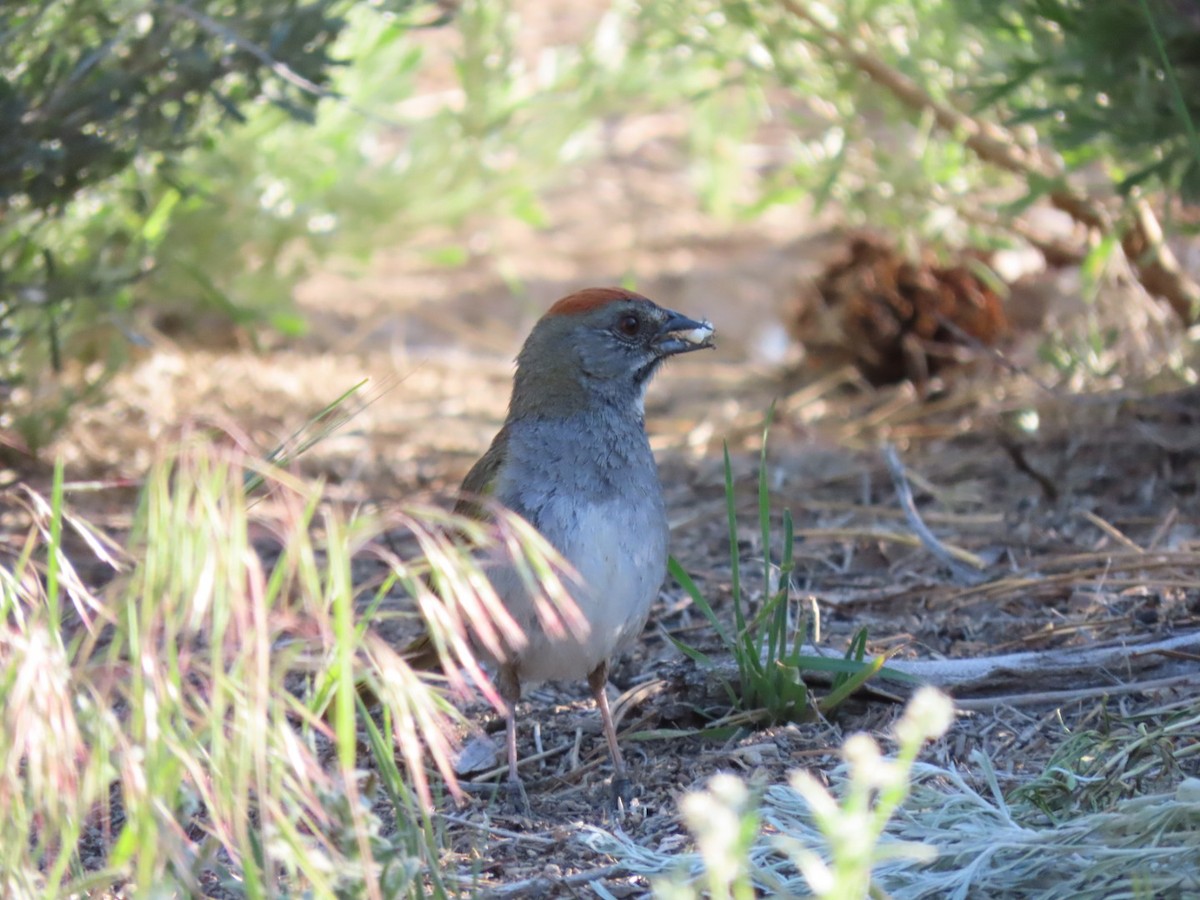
(509,687)
(622,788)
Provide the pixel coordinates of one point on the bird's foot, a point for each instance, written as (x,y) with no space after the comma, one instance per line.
(516,801)
(622,793)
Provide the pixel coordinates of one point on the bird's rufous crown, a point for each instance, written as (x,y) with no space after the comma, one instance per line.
(590,299)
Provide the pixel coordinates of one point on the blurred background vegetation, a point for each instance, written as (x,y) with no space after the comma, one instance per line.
(174,165)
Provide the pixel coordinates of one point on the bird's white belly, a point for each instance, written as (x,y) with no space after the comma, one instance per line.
(620,556)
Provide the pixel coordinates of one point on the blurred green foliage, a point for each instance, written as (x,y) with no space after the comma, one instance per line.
(1112,85)
(1116,82)
(100,104)
(91,84)
(276,156)
(759,71)
(200,157)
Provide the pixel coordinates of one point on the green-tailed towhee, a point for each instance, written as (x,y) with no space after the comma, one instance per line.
(573,460)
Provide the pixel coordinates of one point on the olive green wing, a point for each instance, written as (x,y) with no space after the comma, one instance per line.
(481,480)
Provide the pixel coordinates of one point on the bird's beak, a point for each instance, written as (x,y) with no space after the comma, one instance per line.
(679,334)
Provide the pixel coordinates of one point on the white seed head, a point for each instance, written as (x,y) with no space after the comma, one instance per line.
(698,335)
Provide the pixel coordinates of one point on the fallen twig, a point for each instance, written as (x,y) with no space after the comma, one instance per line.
(488,828)
(928,539)
(1042,667)
(1096,668)
(1058,698)
(492,774)
(543,885)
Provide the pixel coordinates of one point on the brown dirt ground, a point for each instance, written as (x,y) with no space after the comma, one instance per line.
(1108,546)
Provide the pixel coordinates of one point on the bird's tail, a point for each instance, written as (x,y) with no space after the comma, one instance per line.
(421,653)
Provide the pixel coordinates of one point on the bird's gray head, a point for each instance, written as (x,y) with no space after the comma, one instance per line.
(599,346)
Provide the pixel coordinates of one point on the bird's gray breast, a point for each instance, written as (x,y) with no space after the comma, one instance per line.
(594,494)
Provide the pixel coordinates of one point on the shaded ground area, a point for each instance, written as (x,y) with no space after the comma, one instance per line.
(1114,557)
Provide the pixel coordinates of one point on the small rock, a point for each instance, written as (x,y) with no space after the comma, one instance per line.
(479,755)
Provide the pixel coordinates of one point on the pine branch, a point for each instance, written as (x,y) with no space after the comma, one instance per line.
(1141,235)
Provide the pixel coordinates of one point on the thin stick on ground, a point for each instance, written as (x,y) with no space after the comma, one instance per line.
(962,574)
(1043,698)
(541,885)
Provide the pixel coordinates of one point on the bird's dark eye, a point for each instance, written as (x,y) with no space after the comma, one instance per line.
(629,325)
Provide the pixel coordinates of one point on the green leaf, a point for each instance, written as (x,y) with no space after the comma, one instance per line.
(689,586)
(696,656)
(450,255)
(823,192)
(1092,269)
(734,549)
(156,223)
(1022,72)
(835,697)
(1031,115)
(766,636)
(289,324)
(1155,169)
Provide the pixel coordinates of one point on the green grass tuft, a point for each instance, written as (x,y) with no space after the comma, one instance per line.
(767,642)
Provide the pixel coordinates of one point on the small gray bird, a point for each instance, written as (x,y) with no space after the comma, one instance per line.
(573,460)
